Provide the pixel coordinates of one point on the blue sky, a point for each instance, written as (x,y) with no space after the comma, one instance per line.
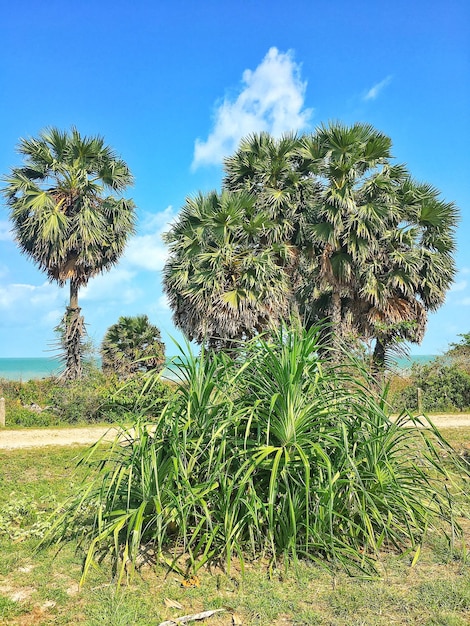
(173,86)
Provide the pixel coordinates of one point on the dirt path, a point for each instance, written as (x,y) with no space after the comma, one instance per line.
(39,437)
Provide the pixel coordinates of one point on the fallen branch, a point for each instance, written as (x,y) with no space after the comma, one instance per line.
(190,618)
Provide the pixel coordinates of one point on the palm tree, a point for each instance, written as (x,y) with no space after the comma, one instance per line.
(383,243)
(363,245)
(132,345)
(224,281)
(273,172)
(415,266)
(64,220)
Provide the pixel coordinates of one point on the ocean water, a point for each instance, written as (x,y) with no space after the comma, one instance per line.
(28,368)
(405,363)
(42,367)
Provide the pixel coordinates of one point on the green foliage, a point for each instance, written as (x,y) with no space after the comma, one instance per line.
(22,519)
(29,403)
(459,353)
(225,280)
(62,215)
(446,595)
(444,387)
(323,225)
(96,397)
(272,452)
(10,609)
(68,216)
(303,594)
(132,345)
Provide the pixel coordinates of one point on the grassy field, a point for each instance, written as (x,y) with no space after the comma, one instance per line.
(42,587)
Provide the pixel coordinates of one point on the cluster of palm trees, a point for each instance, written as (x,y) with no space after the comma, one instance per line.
(311,227)
(319,226)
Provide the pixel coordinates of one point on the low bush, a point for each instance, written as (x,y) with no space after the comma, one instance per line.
(97,397)
(444,387)
(269,452)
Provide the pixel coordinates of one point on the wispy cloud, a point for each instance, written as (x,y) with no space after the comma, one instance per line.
(271,99)
(19,303)
(5,231)
(163,303)
(377,88)
(461,285)
(117,285)
(147,250)
(150,222)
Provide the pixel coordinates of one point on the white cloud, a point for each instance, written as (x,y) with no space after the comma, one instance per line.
(465,302)
(461,285)
(272,99)
(150,222)
(377,88)
(28,296)
(5,233)
(117,285)
(52,318)
(24,306)
(146,252)
(163,303)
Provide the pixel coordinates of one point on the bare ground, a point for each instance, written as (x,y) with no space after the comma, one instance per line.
(39,437)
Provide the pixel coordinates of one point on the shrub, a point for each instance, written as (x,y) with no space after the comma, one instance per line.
(444,388)
(272,452)
(96,397)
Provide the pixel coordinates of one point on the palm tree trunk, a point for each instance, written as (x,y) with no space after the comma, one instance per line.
(335,313)
(378,360)
(73,304)
(73,336)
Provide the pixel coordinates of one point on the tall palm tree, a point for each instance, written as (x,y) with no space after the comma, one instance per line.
(363,245)
(64,219)
(132,345)
(272,171)
(383,243)
(415,267)
(224,281)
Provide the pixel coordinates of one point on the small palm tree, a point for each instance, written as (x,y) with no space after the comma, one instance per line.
(64,220)
(132,345)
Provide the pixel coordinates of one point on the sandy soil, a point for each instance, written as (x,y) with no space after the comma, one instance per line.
(39,437)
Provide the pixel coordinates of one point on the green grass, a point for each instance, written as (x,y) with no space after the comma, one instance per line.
(273,478)
(435,592)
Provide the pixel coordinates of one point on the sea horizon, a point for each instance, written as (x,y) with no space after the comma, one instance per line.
(28,368)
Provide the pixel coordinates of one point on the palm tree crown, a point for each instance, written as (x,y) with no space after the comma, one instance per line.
(223,280)
(346,232)
(62,218)
(132,345)
(66,215)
